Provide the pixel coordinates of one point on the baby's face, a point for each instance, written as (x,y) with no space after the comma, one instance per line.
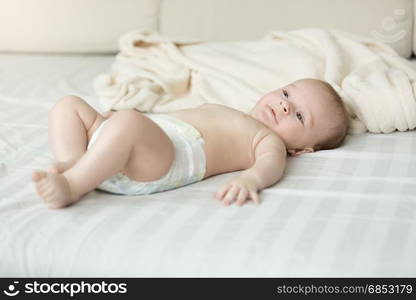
(300,113)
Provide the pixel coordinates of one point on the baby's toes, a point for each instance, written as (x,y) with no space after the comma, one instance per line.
(48,196)
(54,169)
(38,175)
(42,188)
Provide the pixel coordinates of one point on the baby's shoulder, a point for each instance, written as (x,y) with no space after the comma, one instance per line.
(267,141)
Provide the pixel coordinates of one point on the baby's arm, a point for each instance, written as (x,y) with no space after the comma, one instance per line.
(270,162)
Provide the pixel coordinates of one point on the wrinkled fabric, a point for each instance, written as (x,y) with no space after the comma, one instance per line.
(153,73)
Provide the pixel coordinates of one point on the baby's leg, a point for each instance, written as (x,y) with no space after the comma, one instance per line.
(71,123)
(128,142)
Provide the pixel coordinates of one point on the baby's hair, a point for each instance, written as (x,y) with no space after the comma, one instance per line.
(339,131)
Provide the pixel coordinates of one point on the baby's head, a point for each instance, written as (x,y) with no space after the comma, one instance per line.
(307,114)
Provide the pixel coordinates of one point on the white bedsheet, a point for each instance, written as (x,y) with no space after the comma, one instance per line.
(344,212)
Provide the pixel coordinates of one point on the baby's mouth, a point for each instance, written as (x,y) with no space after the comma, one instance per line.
(273,113)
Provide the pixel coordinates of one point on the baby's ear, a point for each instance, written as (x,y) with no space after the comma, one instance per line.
(297,152)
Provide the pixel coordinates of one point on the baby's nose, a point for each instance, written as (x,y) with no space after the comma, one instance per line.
(285,105)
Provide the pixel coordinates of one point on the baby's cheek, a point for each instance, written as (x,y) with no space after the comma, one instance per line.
(285,130)
(270,97)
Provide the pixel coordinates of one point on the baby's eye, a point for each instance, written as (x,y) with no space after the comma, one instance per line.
(285,93)
(299,116)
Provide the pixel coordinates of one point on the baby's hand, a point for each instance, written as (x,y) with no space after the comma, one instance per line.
(238,189)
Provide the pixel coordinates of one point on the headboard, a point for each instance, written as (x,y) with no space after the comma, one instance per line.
(93,26)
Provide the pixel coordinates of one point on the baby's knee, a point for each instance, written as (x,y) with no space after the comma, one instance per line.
(127,115)
(127,119)
(66,103)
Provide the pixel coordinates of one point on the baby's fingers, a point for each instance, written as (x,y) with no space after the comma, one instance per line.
(231,195)
(255,197)
(221,191)
(242,196)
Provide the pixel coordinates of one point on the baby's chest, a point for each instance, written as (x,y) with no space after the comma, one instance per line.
(230,142)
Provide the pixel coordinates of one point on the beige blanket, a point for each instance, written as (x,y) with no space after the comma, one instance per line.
(153,73)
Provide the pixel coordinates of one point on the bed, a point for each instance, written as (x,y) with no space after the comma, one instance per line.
(348,212)
(344,212)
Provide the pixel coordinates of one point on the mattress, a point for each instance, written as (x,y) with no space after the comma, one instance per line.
(343,212)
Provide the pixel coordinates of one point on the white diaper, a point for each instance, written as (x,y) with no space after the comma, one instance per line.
(187,167)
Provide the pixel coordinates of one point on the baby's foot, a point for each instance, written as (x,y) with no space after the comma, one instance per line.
(54,189)
(60,167)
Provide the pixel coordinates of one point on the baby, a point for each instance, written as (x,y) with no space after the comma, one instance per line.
(131,153)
